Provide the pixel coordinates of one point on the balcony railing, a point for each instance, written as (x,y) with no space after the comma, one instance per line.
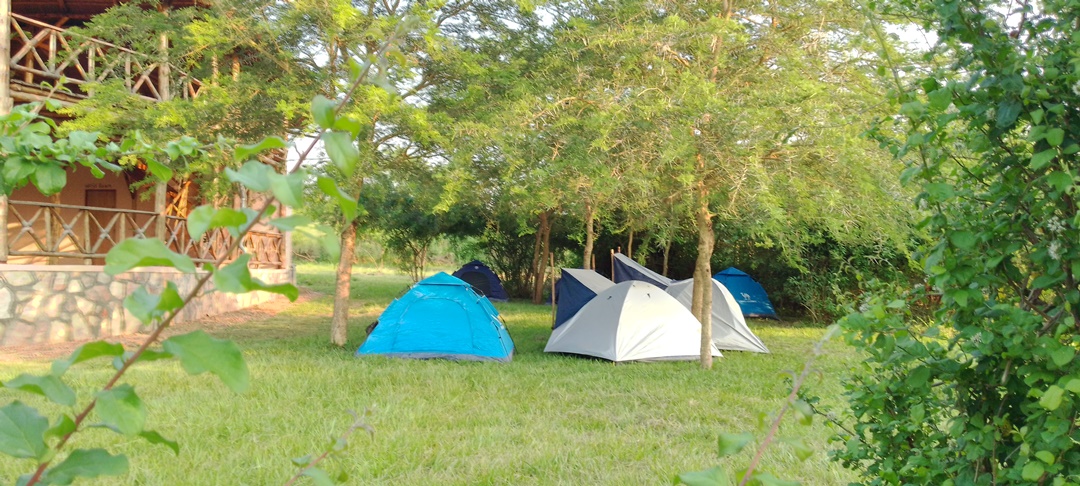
(54,233)
(44,53)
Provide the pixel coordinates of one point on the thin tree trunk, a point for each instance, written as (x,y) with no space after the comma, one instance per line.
(529,278)
(667,251)
(590,236)
(545,244)
(701,306)
(630,244)
(339,323)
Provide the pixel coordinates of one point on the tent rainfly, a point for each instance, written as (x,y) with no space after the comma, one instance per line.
(575,289)
(483,280)
(729,329)
(750,295)
(631,321)
(440,317)
(625,268)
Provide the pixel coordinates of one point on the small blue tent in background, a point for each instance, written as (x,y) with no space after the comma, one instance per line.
(748,293)
(440,317)
(575,289)
(625,268)
(483,280)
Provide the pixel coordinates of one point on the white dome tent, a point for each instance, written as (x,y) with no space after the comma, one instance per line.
(729,329)
(631,321)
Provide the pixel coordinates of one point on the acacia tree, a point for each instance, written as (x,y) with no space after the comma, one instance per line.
(987,392)
(744,106)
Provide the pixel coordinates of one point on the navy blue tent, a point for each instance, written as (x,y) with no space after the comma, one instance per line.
(483,280)
(748,293)
(575,289)
(440,317)
(625,269)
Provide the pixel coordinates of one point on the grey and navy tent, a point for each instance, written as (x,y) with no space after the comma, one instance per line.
(624,268)
(748,293)
(483,280)
(440,317)
(729,329)
(575,289)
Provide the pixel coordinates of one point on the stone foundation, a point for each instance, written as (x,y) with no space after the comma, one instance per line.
(54,303)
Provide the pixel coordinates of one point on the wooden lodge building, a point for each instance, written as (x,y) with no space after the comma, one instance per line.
(52,287)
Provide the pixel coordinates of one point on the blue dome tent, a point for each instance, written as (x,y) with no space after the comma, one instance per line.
(440,317)
(483,280)
(575,289)
(748,293)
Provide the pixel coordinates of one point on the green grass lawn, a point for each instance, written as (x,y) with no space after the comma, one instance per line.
(541,419)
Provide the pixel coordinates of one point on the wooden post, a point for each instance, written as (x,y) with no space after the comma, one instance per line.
(5,57)
(287,258)
(164,90)
(4,231)
(552,255)
(160,207)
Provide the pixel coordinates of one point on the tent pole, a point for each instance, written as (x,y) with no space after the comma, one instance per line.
(552,255)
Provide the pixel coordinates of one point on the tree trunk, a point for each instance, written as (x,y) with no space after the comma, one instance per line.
(545,246)
(630,244)
(590,236)
(701,306)
(667,251)
(339,323)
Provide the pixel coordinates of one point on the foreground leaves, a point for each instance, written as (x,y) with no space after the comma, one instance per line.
(22,431)
(199,353)
(86,463)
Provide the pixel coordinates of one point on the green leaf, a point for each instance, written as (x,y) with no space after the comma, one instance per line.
(137,252)
(302,461)
(802,451)
(156,438)
(1045,456)
(1051,400)
(342,152)
(940,99)
(86,463)
(244,152)
(1063,355)
(348,125)
(347,203)
(235,278)
(1037,116)
(708,477)
(121,408)
(147,307)
(199,353)
(64,425)
(49,178)
(322,111)
(253,175)
(48,386)
(1041,159)
(964,240)
(1073,385)
(289,188)
(939,191)
(318,476)
(1007,112)
(85,352)
(729,444)
(22,431)
(1032,471)
(766,479)
(290,223)
(1055,136)
(206,218)
(146,355)
(160,171)
(1059,180)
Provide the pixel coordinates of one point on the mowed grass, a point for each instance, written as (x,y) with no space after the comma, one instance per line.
(541,419)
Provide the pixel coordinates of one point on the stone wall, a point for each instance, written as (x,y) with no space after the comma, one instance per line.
(43,303)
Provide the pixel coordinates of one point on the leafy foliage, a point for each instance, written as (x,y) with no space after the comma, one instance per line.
(986,392)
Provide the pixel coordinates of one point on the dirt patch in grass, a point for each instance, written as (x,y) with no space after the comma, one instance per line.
(227,324)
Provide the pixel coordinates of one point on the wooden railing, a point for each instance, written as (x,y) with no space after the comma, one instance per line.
(44,53)
(52,232)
